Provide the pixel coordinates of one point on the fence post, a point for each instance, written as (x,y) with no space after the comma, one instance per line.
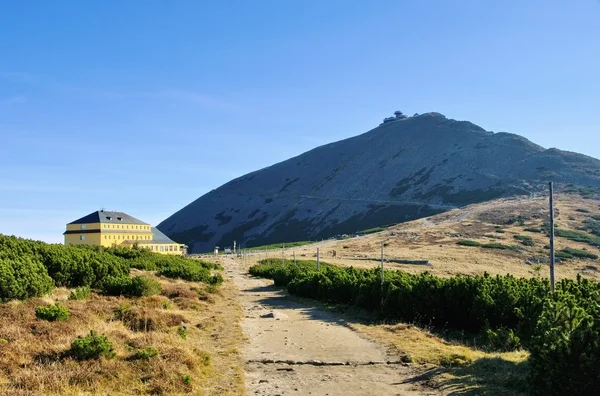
(318,260)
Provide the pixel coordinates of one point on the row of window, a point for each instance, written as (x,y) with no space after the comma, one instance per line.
(121,226)
(169,248)
(136,237)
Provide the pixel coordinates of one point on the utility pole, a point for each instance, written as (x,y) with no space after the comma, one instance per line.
(382,276)
(552,257)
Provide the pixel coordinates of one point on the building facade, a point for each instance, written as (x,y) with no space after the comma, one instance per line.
(104,228)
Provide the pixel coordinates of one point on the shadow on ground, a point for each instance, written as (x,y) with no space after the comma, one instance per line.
(485,376)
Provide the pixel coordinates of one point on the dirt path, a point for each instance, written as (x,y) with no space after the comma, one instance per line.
(296,349)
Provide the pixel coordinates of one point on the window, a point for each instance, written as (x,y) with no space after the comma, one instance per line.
(119,218)
(108,218)
(83,226)
(161,249)
(82,237)
(170,248)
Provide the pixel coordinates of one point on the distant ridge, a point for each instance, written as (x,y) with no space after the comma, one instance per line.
(403,169)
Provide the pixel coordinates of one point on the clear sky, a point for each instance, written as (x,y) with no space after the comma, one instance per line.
(143,106)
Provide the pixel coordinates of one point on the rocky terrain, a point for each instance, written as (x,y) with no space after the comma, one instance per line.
(404,169)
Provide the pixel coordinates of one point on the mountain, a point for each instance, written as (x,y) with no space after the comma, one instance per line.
(405,168)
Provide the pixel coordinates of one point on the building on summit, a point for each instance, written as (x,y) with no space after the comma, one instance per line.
(104,228)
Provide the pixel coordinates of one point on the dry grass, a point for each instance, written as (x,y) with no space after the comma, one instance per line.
(33,359)
(450,366)
(435,239)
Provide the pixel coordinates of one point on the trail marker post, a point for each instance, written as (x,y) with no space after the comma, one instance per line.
(552,256)
(318,260)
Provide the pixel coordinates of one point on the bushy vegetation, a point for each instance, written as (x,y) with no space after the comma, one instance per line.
(92,346)
(593,225)
(569,253)
(280,245)
(494,245)
(283,272)
(533,229)
(194,273)
(499,246)
(371,231)
(578,236)
(22,278)
(466,242)
(32,269)
(525,240)
(562,331)
(52,312)
(80,293)
(145,354)
(137,286)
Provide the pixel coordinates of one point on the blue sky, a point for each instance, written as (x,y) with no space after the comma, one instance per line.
(143,106)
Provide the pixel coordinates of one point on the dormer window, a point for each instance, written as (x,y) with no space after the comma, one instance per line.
(108,218)
(119,218)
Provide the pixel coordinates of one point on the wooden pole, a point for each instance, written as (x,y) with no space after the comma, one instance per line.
(552,256)
(382,277)
(318,261)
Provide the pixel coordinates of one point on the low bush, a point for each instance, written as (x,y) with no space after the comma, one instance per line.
(145,354)
(92,346)
(531,229)
(22,278)
(137,286)
(52,312)
(525,240)
(465,242)
(190,272)
(80,293)
(578,236)
(569,253)
(498,246)
(582,210)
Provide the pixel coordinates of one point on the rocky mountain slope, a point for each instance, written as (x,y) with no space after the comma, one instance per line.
(404,169)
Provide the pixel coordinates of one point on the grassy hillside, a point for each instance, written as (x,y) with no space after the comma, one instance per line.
(83,320)
(497,237)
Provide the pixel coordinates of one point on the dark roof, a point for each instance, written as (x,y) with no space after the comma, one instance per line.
(159,237)
(103,216)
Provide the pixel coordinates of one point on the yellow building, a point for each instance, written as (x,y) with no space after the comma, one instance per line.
(105,228)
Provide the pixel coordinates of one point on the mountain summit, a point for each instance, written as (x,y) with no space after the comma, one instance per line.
(406,168)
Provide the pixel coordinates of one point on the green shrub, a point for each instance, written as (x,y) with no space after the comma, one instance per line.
(565,350)
(502,339)
(578,236)
(194,272)
(465,242)
(498,246)
(80,293)
(571,253)
(500,231)
(371,231)
(531,229)
(582,210)
(145,354)
(22,278)
(525,240)
(137,286)
(52,312)
(92,346)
